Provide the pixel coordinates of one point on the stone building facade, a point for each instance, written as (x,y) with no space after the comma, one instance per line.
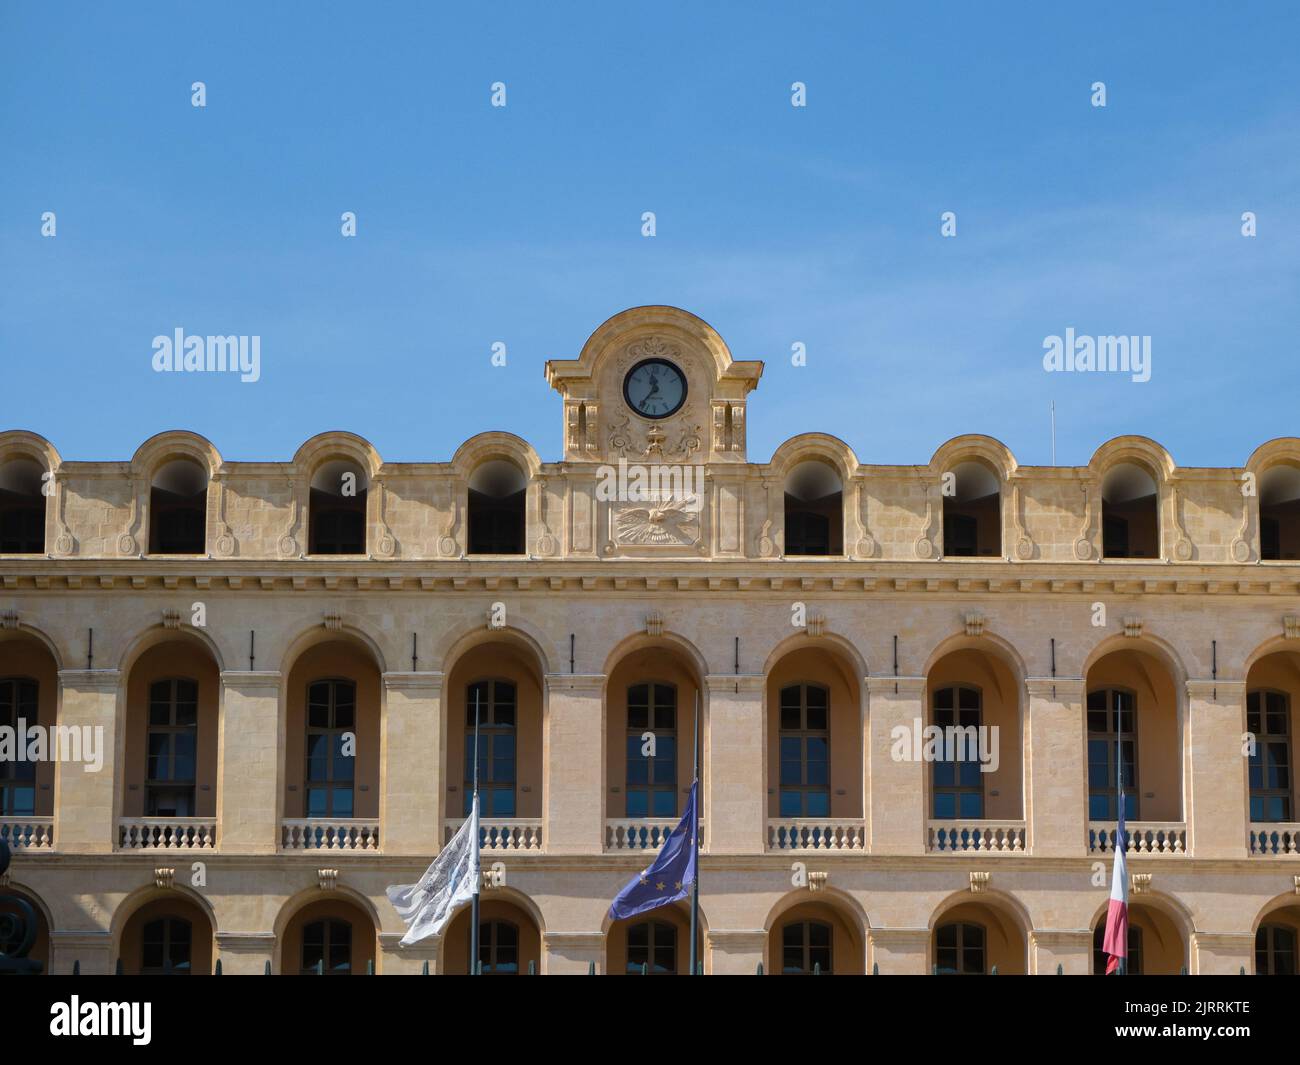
(282,659)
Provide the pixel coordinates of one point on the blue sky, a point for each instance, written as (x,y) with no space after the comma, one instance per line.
(777,225)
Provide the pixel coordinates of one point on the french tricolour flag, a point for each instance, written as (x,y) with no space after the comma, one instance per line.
(1115,943)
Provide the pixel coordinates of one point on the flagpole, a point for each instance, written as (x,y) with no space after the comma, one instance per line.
(695,842)
(1119,812)
(474,965)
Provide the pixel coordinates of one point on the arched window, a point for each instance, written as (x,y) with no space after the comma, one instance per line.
(22,507)
(165,946)
(497,747)
(1275,951)
(498,948)
(1279,513)
(336,516)
(805,745)
(1132,964)
(959,949)
(178,509)
(652,781)
(498,491)
(1268,717)
(18,702)
(171,751)
(327,948)
(958,784)
(1130,525)
(814,510)
(652,944)
(331,763)
(806,948)
(1112,714)
(972,512)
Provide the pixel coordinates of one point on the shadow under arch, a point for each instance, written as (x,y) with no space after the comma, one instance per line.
(26,631)
(295,904)
(615,959)
(456,645)
(988,643)
(150,894)
(1156,646)
(801,903)
(496,904)
(1165,907)
(838,647)
(1014,921)
(317,634)
(667,641)
(156,635)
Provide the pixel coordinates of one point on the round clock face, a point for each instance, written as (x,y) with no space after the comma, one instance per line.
(655,388)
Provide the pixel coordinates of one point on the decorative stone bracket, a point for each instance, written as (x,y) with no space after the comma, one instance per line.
(1291,626)
(979,881)
(332,621)
(327,879)
(164,878)
(974,624)
(654,623)
(817,882)
(815,624)
(1132,626)
(1142,883)
(171,619)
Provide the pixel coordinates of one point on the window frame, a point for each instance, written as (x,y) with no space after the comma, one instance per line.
(1264,737)
(19,774)
(334,734)
(803,735)
(1132,792)
(490,732)
(957,789)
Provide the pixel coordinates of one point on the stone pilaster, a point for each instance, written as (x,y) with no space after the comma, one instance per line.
(574,764)
(1222,953)
(93,950)
(896,797)
(250,769)
(411,760)
(87,797)
(1056,784)
(735,952)
(572,953)
(245,953)
(899,951)
(1071,949)
(1215,794)
(396,960)
(734,820)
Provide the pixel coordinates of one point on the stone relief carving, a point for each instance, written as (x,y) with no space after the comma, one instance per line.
(670,523)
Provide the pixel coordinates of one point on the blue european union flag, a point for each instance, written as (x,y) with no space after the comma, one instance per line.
(671,875)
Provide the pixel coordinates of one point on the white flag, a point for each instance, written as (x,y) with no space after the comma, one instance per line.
(452,879)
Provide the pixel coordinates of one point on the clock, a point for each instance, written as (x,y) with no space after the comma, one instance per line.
(655,388)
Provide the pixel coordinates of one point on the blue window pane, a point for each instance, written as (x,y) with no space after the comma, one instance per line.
(970,774)
(1099,808)
(317,802)
(636,804)
(791,749)
(344,765)
(817,773)
(972,804)
(665,804)
(944,774)
(791,773)
(317,747)
(1256,808)
(791,804)
(342,802)
(818,803)
(503,802)
(945,805)
(665,772)
(23,799)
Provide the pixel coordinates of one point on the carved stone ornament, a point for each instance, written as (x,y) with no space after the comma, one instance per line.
(670,523)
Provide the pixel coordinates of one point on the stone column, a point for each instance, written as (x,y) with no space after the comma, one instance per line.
(410,762)
(250,773)
(245,953)
(898,951)
(87,799)
(572,953)
(735,953)
(896,810)
(1056,771)
(1071,949)
(1217,784)
(1222,953)
(396,960)
(574,764)
(734,803)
